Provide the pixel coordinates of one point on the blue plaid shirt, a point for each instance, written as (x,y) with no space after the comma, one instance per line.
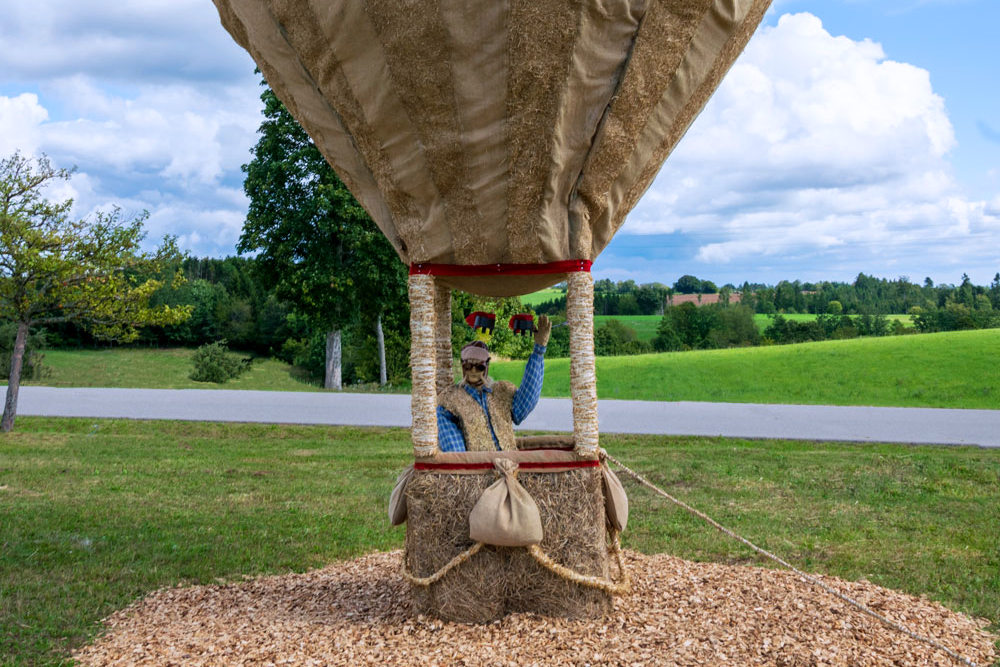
(450,438)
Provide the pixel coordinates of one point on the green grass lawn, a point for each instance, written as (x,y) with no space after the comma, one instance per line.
(954,370)
(644,325)
(946,370)
(764,321)
(547,294)
(95,514)
(158,369)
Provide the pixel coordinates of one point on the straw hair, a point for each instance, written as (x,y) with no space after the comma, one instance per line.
(582,371)
(423,398)
(501,580)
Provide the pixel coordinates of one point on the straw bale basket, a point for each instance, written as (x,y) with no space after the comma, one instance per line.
(497,580)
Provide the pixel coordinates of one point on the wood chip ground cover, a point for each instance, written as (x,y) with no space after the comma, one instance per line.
(680,613)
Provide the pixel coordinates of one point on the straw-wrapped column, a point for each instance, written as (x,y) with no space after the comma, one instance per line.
(442,337)
(582,372)
(423,401)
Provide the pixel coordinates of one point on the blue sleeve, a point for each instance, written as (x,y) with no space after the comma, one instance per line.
(450,438)
(526,396)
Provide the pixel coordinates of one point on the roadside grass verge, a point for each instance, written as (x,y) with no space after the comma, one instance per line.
(94,514)
(945,370)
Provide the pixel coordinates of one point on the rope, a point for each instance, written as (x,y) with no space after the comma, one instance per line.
(606,585)
(624,586)
(811,579)
(453,563)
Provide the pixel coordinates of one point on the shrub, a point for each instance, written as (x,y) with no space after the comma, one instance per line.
(213,363)
(614,338)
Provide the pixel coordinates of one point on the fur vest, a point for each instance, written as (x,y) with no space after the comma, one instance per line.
(470,415)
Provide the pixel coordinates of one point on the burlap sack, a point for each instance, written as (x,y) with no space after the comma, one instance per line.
(615,500)
(397,500)
(506,515)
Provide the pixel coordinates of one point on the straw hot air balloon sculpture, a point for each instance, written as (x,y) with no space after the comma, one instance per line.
(498,145)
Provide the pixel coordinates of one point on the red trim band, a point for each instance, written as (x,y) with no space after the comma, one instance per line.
(564,266)
(524,465)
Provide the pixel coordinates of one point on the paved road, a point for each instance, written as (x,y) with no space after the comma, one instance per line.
(807,422)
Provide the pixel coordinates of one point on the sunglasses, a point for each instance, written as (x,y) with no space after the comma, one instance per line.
(479,367)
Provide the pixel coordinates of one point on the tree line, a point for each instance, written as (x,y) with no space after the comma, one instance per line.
(865,295)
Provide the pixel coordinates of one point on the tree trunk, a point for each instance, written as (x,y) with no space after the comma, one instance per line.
(14,381)
(383,378)
(333,379)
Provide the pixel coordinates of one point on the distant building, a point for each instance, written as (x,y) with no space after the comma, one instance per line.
(700,299)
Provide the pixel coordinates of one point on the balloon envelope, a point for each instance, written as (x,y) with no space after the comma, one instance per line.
(495,132)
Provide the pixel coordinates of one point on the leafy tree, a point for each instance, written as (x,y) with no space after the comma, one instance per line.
(54,269)
(503,343)
(687,284)
(317,247)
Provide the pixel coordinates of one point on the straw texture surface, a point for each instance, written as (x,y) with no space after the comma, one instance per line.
(423,397)
(512,132)
(444,372)
(500,580)
(582,367)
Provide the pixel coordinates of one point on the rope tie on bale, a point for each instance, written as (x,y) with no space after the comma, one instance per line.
(606,585)
(448,567)
(811,579)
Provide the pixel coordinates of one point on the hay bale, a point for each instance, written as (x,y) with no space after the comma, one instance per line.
(501,580)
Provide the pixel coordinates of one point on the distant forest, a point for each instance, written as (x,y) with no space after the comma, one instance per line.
(230,304)
(866,295)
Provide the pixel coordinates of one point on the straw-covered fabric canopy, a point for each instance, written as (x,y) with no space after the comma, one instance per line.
(495,132)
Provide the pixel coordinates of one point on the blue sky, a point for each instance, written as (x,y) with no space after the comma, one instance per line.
(852,135)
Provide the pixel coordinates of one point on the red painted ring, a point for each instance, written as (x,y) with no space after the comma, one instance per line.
(523,465)
(564,266)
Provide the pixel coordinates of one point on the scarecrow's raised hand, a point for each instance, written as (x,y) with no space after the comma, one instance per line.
(542,330)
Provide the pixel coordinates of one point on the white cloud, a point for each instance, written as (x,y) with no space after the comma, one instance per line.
(182,133)
(19,120)
(152,101)
(818,146)
(162,40)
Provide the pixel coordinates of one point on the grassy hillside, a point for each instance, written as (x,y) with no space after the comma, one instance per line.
(94,514)
(158,369)
(955,369)
(540,296)
(645,325)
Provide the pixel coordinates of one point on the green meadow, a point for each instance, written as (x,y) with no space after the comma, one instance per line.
(541,296)
(645,325)
(943,370)
(152,368)
(95,514)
